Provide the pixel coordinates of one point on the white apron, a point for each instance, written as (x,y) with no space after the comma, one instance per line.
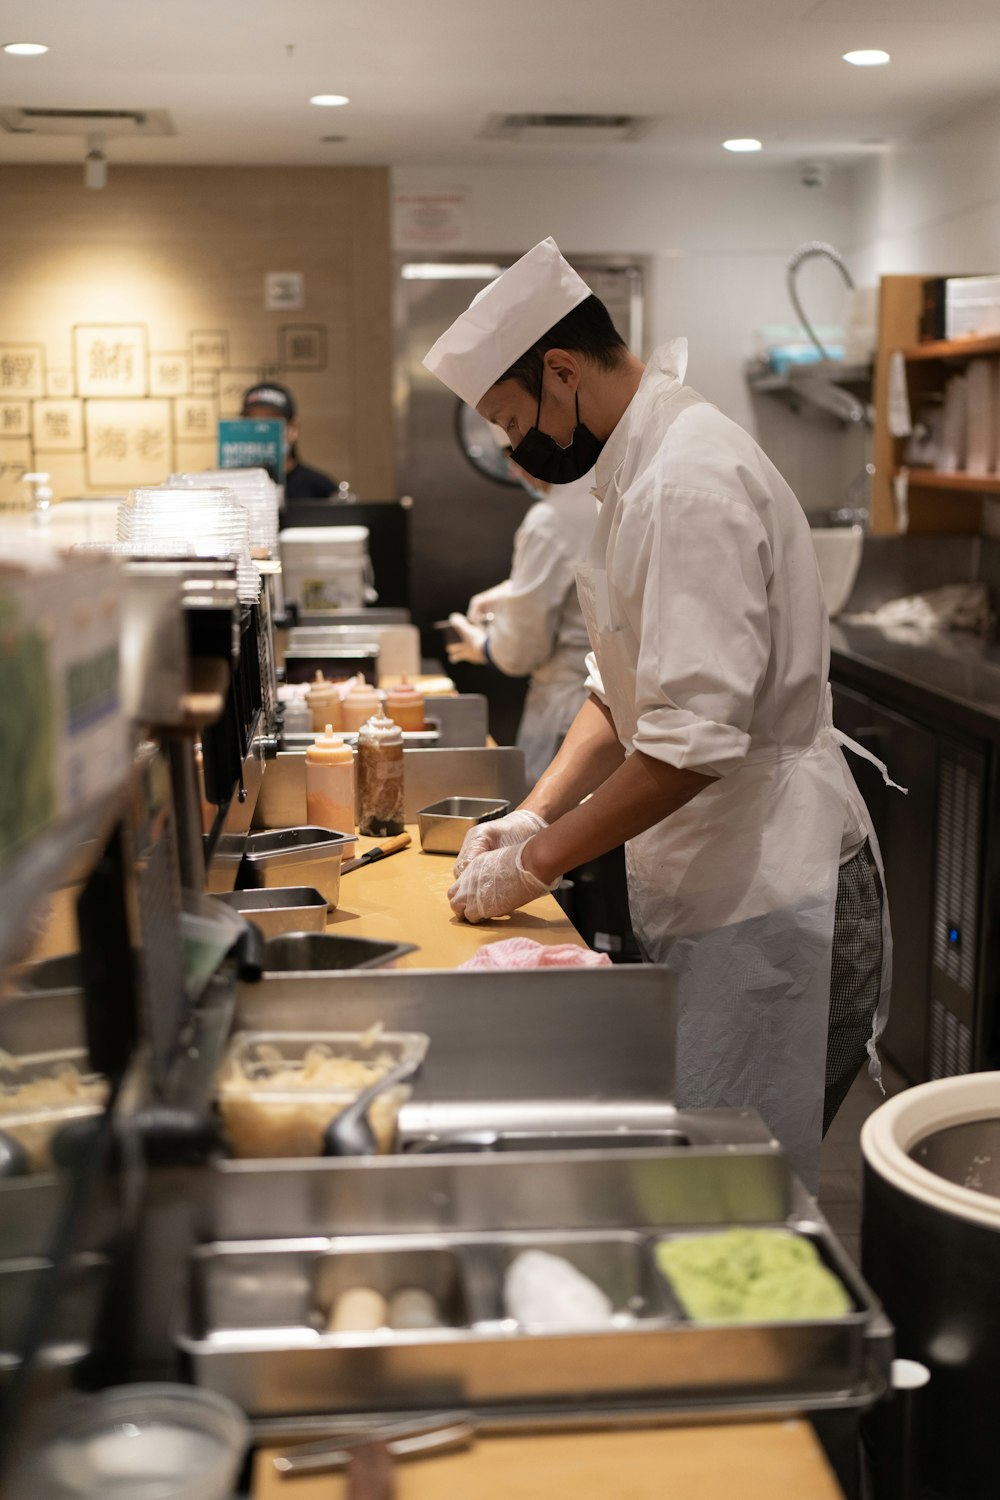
(736,893)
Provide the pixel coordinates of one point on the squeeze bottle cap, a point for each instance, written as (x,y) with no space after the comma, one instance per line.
(361,689)
(382,730)
(329,749)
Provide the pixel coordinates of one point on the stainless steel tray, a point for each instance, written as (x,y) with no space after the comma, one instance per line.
(415,739)
(69,1337)
(257,1310)
(301,954)
(444,824)
(278,910)
(304,856)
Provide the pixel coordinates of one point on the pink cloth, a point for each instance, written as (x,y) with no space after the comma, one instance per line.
(525,953)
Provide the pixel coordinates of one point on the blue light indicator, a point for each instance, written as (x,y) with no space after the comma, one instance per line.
(954,936)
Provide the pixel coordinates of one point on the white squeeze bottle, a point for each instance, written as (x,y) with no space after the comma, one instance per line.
(359,702)
(324,703)
(330,785)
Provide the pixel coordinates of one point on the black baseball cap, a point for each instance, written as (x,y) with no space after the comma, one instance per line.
(269,393)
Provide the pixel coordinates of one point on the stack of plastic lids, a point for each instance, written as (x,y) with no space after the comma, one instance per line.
(254,489)
(203,522)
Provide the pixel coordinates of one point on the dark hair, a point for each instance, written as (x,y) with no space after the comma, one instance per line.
(587,330)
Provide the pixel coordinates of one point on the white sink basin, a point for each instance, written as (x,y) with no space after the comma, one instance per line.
(838,551)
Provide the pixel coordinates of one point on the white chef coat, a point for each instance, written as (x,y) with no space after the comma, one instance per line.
(538,628)
(710,648)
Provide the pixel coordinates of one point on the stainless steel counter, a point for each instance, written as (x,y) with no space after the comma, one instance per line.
(951,676)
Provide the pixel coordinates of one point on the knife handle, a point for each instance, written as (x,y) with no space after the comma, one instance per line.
(369,1473)
(392,846)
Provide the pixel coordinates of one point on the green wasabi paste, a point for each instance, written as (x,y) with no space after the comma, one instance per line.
(751,1276)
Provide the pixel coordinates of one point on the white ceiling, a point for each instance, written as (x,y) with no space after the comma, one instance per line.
(423,75)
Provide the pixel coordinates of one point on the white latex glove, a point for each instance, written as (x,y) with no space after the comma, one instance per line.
(494,885)
(470,645)
(516,828)
(481,605)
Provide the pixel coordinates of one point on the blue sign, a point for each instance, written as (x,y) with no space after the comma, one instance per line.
(246,444)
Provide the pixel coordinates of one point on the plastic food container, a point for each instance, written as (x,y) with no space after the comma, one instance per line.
(42,1091)
(134,1442)
(326,567)
(281,909)
(443,825)
(279,1090)
(297,856)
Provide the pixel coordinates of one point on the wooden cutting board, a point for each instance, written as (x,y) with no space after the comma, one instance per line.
(745,1461)
(405,899)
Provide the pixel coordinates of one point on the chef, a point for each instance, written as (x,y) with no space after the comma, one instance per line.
(532,624)
(706,741)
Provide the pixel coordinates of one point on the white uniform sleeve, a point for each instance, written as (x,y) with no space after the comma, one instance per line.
(702,564)
(594,684)
(524,632)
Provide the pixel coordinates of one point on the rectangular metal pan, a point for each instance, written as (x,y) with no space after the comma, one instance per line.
(479,1357)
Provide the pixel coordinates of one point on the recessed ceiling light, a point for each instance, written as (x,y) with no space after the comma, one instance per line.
(742,143)
(432,270)
(329,100)
(25,49)
(872,58)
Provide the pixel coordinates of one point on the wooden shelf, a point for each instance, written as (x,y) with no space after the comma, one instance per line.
(975,484)
(966,348)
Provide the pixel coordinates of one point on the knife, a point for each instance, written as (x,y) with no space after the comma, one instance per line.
(404,1441)
(381,851)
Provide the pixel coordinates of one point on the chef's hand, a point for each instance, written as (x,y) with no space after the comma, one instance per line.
(494,885)
(470,645)
(516,828)
(481,606)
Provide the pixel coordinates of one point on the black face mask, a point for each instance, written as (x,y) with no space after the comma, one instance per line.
(542,456)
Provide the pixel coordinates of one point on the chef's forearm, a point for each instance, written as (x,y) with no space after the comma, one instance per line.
(590,753)
(640,793)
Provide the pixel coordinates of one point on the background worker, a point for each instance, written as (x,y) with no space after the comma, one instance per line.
(531,625)
(267,401)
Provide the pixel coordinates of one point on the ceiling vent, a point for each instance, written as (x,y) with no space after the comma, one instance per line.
(106,122)
(563,129)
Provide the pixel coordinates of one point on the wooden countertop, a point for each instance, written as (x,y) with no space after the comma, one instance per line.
(753,1461)
(404,899)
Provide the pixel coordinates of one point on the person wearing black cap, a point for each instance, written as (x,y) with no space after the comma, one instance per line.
(268,400)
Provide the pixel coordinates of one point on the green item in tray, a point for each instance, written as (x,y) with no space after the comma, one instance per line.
(751,1276)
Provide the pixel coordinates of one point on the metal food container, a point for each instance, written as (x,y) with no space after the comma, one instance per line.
(281,909)
(258,1310)
(68,1338)
(443,825)
(296,856)
(52,976)
(273,1104)
(311,953)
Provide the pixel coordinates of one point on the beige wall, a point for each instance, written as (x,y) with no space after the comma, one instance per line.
(131,317)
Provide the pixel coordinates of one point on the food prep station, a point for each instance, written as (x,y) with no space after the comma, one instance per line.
(538,1115)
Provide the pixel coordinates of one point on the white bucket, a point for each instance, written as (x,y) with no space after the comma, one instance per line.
(326,567)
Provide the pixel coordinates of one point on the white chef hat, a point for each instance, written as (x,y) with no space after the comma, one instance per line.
(504,320)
